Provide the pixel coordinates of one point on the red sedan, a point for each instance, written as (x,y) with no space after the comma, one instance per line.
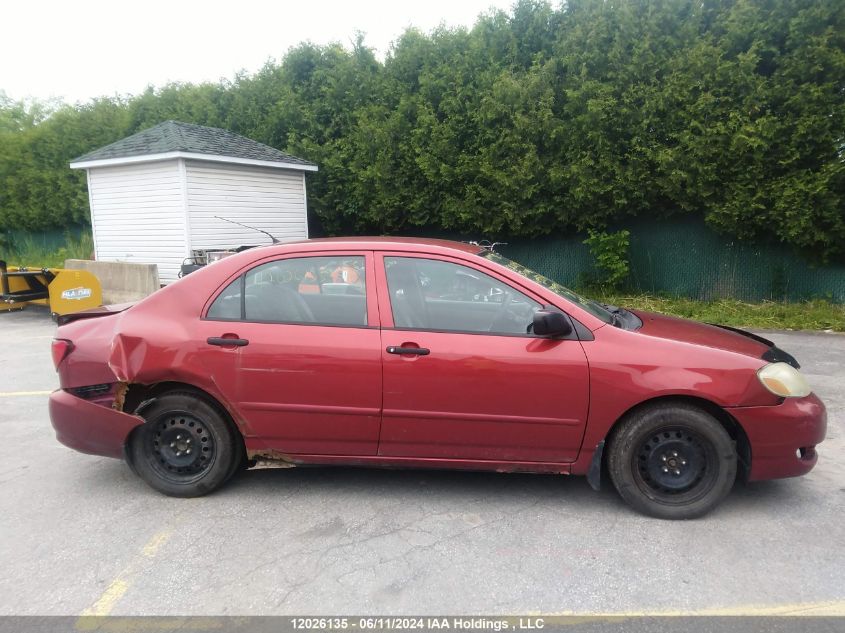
(425,353)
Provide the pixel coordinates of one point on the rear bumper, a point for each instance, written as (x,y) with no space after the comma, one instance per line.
(88,427)
(783,438)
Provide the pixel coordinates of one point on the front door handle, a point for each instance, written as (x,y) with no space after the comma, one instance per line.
(225,341)
(418,351)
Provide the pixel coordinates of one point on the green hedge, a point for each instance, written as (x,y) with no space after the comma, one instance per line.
(533,122)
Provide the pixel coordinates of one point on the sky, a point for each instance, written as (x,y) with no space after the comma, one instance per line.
(76,50)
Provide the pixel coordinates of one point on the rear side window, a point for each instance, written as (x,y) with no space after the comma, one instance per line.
(307,290)
(227,306)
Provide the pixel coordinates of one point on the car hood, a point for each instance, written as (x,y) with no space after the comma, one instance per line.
(719,337)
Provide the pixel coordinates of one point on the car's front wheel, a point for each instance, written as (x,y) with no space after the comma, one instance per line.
(672,461)
(186,448)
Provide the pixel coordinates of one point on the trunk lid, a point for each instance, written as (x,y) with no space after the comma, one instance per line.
(91,313)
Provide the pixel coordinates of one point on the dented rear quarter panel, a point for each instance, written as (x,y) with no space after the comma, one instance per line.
(142,342)
(152,342)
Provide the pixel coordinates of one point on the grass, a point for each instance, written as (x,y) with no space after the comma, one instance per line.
(28,252)
(816,314)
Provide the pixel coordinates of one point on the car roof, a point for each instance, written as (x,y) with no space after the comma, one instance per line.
(201,284)
(379,243)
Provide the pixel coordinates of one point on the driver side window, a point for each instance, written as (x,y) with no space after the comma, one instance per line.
(429,294)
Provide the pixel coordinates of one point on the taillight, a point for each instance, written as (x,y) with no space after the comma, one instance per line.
(61,348)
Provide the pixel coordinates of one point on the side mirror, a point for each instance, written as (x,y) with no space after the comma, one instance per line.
(551,323)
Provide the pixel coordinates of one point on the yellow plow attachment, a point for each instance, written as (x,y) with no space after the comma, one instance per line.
(64,291)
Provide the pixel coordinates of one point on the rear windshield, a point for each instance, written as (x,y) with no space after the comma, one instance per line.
(589,305)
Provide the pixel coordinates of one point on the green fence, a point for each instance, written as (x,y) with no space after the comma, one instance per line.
(678,256)
(15,241)
(686,258)
(45,248)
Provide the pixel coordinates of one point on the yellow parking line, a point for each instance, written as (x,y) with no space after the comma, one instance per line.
(826,608)
(156,542)
(15,394)
(830,607)
(120,585)
(105,603)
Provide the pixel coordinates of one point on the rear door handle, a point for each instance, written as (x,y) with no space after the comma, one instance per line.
(419,351)
(225,342)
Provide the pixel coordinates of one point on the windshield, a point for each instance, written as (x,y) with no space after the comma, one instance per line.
(594,308)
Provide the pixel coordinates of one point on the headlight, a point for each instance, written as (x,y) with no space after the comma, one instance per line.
(784,380)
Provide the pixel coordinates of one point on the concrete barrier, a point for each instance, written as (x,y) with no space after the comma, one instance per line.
(121,281)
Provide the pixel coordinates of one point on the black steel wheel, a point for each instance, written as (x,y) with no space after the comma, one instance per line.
(672,461)
(187,448)
(182,446)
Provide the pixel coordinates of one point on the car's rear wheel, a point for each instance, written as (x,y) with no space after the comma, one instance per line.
(187,448)
(672,461)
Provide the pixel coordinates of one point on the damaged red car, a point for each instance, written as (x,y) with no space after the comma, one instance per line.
(425,354)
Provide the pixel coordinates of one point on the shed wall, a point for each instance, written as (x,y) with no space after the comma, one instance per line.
(268,199)
(137,214)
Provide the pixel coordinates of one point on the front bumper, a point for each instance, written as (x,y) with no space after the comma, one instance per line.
(89,427)
(783,438)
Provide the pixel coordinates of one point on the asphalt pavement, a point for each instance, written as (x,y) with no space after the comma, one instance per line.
(83,535)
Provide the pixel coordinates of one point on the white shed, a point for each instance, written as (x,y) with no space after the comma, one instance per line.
(154,195)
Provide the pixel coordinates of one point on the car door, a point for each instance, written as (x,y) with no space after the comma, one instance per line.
(463,379)
(294,345)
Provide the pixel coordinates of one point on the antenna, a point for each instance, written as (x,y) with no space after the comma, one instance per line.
(246,226)
(487,245)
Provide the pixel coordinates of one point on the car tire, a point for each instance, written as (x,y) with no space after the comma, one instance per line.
(187,446)
(672,461)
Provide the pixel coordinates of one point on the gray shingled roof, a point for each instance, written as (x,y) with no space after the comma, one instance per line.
(173,136)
